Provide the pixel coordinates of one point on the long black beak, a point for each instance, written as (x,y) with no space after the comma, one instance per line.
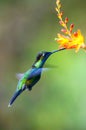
(57,50)
(16,94)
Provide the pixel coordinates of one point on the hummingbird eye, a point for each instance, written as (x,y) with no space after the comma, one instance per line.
(39,56)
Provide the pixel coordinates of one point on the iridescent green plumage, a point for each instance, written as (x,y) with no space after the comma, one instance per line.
(32,76)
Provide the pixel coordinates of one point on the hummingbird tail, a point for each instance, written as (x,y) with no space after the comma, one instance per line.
(16,94)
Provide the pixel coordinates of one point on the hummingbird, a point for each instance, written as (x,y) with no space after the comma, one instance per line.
(28,79)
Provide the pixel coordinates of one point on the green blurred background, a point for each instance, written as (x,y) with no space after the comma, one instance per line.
(58,101)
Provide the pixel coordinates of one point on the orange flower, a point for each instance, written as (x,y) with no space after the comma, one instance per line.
(69,40)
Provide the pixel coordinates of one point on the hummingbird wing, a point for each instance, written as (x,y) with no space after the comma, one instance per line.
(34,72)
(19,75)
(37,71)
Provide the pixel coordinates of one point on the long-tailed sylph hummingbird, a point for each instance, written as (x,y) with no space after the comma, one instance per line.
(32,76)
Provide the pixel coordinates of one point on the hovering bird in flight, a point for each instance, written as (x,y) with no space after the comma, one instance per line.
(31,76)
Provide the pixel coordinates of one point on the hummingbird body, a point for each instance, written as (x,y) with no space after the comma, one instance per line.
(32,76)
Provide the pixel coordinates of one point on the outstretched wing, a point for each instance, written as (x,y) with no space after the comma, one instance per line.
(19,75)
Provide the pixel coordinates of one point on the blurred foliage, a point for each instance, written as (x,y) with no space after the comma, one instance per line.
(58,101)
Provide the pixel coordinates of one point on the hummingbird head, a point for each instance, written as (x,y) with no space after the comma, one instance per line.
(41,58)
